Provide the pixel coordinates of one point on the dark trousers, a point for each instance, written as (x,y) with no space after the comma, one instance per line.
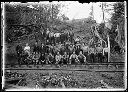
(105,57)
(86,55)
(65,61)
(19,58)
(100,57)
(96,58)
(91,58)
(81,60)
(52,40)
(73,61)
(62,40)
(57,39)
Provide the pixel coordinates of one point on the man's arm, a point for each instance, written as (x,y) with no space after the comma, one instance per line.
(70,57)
(103,51)
(56,57)
(77,57)
(84,59)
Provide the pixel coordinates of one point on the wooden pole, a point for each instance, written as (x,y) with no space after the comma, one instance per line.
(103,11)
(92,11)
(108,48)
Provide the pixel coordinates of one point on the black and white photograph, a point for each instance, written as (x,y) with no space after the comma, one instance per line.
(64,46)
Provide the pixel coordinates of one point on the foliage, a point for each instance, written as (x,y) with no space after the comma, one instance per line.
(118,15)
(118,19)
(37,18)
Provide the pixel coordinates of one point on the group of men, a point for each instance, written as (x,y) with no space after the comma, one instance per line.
(53,38)
(67,53)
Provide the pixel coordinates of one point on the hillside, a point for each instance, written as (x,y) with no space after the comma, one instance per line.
(82,28)
(78,27)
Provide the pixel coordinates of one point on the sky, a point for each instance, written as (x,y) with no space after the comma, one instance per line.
(76,10)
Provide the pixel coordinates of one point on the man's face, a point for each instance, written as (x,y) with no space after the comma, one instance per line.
(98,45)
(26,44)
(80,52)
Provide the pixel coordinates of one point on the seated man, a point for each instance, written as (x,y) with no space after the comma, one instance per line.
(42,49)
(81,58)
(42,59)
(27,49)
(50,58)
(65,58)
(36,49)
(58,58)
(36,58)
(73,58)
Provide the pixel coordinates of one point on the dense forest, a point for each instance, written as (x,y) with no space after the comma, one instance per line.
(45,16)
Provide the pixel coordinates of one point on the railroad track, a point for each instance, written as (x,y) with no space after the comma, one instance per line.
(88,67)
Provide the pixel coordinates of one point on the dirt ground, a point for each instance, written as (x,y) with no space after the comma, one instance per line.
(77,79)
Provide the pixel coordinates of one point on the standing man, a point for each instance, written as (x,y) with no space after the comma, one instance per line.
(99,50)
(85,50)
(42,57)
(50,58)
(42,49)
(36,48)
(27,53)
(91,54)
(105,53)
(36,53)
(19,51)
(71,37)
